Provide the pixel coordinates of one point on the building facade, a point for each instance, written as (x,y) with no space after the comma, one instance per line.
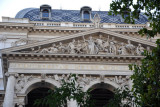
(42,46)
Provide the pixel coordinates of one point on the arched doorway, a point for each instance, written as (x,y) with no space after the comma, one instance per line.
(101,93)
(37,93)
(37,90)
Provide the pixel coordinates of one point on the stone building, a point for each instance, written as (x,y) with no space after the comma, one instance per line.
(41,46)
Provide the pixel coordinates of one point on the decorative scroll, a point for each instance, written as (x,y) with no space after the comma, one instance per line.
(100,45)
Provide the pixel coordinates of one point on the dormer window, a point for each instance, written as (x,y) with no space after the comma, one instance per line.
(85,13)
(45,12)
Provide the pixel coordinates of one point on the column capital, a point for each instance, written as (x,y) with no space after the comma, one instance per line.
(7,74)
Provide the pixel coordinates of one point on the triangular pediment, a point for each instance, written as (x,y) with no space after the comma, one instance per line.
(95,41)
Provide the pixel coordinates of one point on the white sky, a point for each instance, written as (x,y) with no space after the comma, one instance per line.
(10,8)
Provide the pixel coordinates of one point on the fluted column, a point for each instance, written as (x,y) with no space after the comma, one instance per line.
(9,94)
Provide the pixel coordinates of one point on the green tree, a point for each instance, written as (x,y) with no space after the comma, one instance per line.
(69,90)
(146,76)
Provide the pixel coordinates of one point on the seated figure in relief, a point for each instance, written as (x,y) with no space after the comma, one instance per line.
(139,49)
(53,49)
(79,47)
(122,49)
(71,47)
(130,48)
(100,42)
(61,48)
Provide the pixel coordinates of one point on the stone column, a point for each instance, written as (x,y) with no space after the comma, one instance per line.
(9,94)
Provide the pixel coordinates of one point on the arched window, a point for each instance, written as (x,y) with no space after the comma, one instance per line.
(86,15)
(45,12)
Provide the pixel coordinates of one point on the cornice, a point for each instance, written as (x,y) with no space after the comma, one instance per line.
(71,57)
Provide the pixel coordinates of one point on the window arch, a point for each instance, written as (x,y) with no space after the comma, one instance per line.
(45,12)
(85,13)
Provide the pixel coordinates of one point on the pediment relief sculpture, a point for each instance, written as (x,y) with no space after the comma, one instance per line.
(92,45)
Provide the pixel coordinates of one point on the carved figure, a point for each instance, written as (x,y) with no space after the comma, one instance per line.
(61,48)
(56,77)
(122,49)
(53,49)
(112,48)
(72,47)
(44,50)
(79,47)
(119,80)
(20,82)
(106,45)
(130,48)
(91,46)
(100,42)
(125,83)
(139,49)
(96,21)
(83,80)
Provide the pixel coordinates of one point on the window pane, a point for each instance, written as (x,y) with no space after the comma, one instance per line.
(86,16)
(45,14)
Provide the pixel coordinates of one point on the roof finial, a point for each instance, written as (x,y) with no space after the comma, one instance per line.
(99,8)
(60,7)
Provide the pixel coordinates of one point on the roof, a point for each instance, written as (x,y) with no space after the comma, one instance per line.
(74,16)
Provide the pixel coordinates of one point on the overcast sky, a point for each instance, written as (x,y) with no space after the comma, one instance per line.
(10,8)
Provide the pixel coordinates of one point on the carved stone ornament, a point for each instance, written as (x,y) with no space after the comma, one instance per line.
(22,41)
(96,21)
(21,81)
(91,45)
(83,80)
(3,39)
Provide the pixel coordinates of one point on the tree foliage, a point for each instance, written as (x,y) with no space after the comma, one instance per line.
(146,77)
(69,90)
(131,10)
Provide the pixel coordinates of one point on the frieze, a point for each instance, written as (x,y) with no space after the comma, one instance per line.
(68,66)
